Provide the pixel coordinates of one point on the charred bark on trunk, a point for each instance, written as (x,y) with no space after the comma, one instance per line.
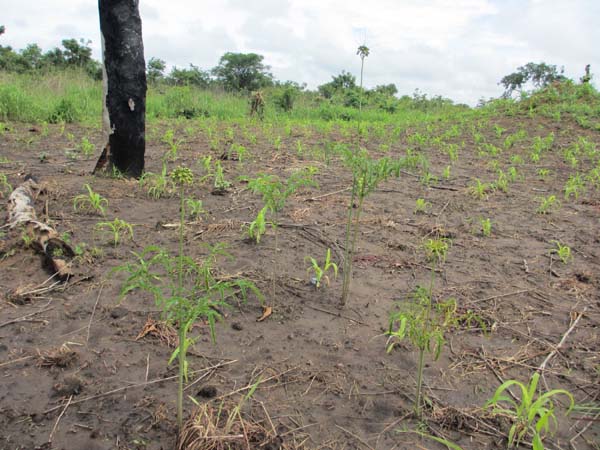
(124,77)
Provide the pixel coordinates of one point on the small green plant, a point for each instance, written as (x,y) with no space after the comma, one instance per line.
(159,185)
(452,151)
(498,130)
(118,229)
(427,179)
(424,323)
(517,160)
(321,272)
(86,147)
(574,187)
(479,190)
(543,174)
(220,183)
(27,237)
(237,151)
(562,251)
(258,226)
(91,202)
(275,193)
(548,204)
(446,172)
(436,249)
(366,176)
(502,181)
(194,207)
(532,415)
(5,186)
(183,288)
(169,139)
(421,206)
(486,227)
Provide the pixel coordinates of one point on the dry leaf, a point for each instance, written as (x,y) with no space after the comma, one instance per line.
(267,311)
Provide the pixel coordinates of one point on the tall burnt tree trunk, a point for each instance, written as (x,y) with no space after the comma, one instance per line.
(124,82)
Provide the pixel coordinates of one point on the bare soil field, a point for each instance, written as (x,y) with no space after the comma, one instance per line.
(82,368)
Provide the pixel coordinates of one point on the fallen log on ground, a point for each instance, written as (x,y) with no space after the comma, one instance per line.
(21,213)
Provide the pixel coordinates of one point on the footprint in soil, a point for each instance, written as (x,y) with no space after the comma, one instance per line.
(207,392)
(71,385)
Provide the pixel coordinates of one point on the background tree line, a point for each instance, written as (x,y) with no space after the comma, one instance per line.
(247,72)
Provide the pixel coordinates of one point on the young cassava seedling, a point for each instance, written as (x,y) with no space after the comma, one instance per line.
(183,288)
(367,173)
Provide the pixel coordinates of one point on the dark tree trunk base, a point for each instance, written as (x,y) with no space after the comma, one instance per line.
(125,72)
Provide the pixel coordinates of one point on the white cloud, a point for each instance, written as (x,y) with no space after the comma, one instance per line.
(459,49)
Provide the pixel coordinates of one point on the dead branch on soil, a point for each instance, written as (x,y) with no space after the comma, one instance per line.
(26,317)
(574,320)
(21,212)
(224,427)
(161,330)
(60,357)
(146,383)
(58,419)
(24,294)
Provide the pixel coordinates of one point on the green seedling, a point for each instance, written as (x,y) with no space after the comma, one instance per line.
(421,206)
(452,151)
(184,289)
(237,151)
(563,251)
(424,323)
(446,172)
(320,273)
(258,226)
(574,187)
(86,147)
(498,130)
(28,238)
(517,160)
(486,227)
(502,182)
(220,183)
(428,179)
(436,249)
(366,176)
(194,207)
(532,415)
(118,229)
(548,204)
(91,202)
(479,190)
(169,139)
(275,193)
(593,177)
(5,186)
(543,174)
(159,185)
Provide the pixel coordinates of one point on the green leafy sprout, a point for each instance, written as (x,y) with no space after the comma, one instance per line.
(91,202)
(118,229)
(320,273)
(532,415)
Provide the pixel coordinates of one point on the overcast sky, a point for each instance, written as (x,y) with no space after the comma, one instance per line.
(456,48)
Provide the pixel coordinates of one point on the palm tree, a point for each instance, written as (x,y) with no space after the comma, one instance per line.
(363,52)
